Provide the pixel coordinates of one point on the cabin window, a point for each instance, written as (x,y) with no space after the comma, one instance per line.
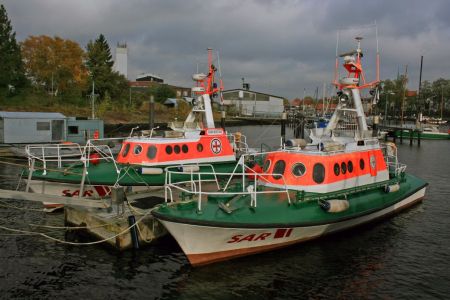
(169,149)
(72,129)
(318,173)
(350,166)
(278,169)
(343,168)
(185,148)
(137,149)
(267,164)
(177,149)
(337,169)
(151,152)
(361,164)
(41,126)
(199,147)
(298,169)
(125,150)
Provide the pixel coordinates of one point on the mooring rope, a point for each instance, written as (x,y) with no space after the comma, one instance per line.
(28,232)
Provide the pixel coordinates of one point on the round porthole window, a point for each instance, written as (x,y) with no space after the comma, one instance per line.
(350,166)
(361,164)
(336,169)
(343,168)
(298,169)
(318,173)
(169,149)
(185,148)
(176,149)
(199,147)
(278,169)
(266,165)
(137,149)
(126,150)
(151,152)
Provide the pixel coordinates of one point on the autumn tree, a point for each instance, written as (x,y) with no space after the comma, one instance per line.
(11,67)
(99,63)
(54,63)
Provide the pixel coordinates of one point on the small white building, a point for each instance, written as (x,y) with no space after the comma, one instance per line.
(251,103)
(46,127)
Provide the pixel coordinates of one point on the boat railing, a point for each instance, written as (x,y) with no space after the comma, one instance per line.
(196,184)
(70,154)
(390,156)
(59,153)
(239,142)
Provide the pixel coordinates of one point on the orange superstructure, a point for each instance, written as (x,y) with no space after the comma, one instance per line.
(211,145)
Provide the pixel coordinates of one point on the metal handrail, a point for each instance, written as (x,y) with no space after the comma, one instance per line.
(196,181)
(46,153)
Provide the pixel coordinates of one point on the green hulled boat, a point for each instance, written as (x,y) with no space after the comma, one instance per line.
(195,145)
(427,133)
(300,192)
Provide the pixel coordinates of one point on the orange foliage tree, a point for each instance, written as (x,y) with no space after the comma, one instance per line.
(54,63)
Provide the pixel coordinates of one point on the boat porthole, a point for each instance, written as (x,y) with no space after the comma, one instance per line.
(350,166)
(199,147)
(137,149)
(169,149)
(343,168)
(267,165)
(337,169)
(318,173)
(298,169)
(151,152)
(361,164)
(125,150)
(176,149)
(185,148)
(278,169)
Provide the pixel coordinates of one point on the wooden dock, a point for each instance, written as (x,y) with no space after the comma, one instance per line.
(122,221)
(391,133)
(113,225)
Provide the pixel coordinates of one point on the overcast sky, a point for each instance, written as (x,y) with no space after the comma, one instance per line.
(280,47)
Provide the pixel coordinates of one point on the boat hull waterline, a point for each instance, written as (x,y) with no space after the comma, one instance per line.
(208,244)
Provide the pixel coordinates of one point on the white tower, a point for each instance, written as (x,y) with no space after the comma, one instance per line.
(120,64)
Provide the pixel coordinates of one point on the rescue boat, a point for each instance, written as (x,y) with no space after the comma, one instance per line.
(195,144)
(304,191)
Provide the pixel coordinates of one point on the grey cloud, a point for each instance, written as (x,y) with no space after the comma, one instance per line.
(279,46)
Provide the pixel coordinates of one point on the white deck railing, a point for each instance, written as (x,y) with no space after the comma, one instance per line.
(195,185)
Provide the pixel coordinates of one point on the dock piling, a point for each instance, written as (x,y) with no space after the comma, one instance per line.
(118,198)
(283,128)
(133,231)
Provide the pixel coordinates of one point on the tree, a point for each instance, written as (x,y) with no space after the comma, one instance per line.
(162,92)
(99,63)
(11,67)
(54,63)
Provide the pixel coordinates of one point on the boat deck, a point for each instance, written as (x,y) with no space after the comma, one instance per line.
(274,210)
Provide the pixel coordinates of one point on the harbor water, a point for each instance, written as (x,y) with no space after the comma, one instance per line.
(403,257)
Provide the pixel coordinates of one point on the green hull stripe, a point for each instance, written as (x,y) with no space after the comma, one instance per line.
(215,219)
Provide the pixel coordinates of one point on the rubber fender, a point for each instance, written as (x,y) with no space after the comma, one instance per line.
(189,169)
(392,188)
(296,143)
(151,171)
(334,206)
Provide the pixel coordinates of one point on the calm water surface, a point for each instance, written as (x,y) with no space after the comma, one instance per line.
(405,257)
